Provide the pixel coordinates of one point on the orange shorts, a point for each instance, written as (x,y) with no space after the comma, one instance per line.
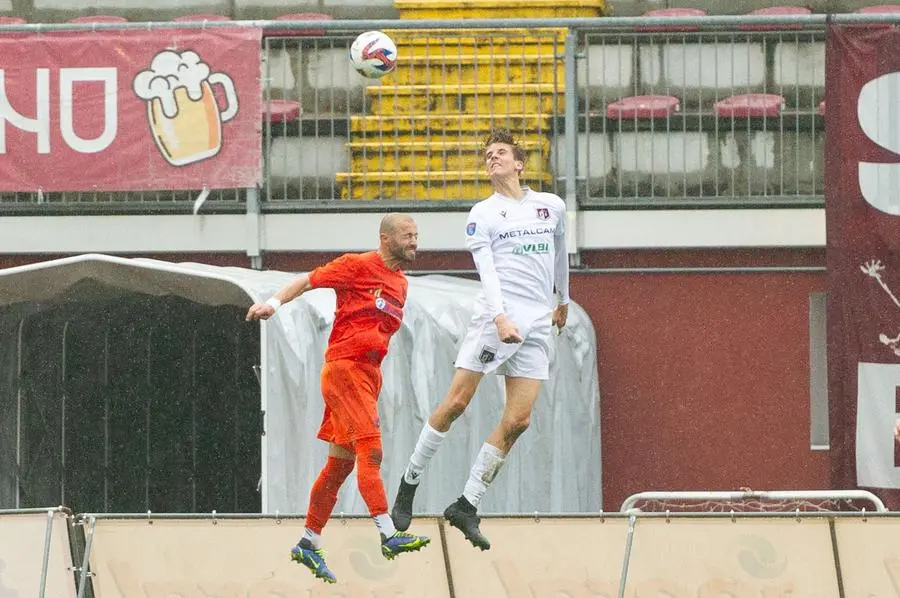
(350,389)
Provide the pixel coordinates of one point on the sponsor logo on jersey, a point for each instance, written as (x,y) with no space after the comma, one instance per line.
(526,232)
(470,229)
(531,248)
(389,306)
(543,213)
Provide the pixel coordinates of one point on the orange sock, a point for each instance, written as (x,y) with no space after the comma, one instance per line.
(323,495)
(368,475)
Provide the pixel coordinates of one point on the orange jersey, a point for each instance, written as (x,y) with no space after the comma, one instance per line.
(370,300)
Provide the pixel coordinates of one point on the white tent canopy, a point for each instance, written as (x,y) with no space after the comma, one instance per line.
(113,315)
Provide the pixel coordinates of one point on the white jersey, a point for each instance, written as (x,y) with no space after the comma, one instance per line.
(527,251)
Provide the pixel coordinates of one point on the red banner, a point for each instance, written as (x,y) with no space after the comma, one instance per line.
(862,201)
(130,110)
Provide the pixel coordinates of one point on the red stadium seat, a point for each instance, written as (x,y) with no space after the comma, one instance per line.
(671,12)
(201,17)
(879,9)
(99,19)
(281,111)
(299,16)
(777,11)
(12,21)
(643,107)
(751,105)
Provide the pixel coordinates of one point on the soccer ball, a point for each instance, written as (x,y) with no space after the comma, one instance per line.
(373,54)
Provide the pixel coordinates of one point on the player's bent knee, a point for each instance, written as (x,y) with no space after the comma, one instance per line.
(457,400)
(515,427)
(368,452)
(456,403)
(373,457)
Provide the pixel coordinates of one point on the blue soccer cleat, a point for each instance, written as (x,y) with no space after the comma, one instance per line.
(402,542)
(313,559)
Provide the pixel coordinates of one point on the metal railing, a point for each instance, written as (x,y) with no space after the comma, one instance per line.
(416,134)
(728,116)
(631,111)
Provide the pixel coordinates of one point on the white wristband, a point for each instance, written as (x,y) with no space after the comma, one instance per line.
(274,302)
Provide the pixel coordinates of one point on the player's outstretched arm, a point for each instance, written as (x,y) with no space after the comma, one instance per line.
(264,311)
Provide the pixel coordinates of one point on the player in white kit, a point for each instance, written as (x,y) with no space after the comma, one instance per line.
(517,240)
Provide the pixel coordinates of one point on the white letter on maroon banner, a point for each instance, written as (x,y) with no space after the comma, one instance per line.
(878,111)
(40,124)
(67,79)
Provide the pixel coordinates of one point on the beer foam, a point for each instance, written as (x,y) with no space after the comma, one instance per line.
(168,72)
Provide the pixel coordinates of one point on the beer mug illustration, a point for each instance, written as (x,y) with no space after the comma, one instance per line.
(185,119)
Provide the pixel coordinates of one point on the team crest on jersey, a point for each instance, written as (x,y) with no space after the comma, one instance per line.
(543,213)
(488,354)
(470,229)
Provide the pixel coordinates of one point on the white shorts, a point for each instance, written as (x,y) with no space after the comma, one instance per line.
(482,351)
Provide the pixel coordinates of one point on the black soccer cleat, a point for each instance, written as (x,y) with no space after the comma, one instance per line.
(402,511)
(462,516)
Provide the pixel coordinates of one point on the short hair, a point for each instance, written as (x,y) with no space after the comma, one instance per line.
(506,136)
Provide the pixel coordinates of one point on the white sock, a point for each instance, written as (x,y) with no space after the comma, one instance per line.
(427,445)
(314,538)
(487,464)
(385,525)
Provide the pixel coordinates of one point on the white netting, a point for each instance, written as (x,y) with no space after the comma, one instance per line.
(749,501)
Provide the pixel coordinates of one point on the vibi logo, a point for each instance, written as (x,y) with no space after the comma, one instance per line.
(878,111)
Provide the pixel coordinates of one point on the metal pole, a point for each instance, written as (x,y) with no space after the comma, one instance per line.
(194,420)
(148,441)
(253,222)
(709,22)
(775,495)
(571,119)
(106,418)
(62,418)
(629,540)
(47,535)
(263,408)
(19,413)
(89,538)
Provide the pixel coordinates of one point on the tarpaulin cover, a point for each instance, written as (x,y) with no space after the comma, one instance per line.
(555,466)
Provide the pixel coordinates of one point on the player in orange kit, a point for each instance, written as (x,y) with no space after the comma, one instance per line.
(371,292)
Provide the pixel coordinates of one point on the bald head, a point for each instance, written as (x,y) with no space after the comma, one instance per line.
(399,238)
(391,221)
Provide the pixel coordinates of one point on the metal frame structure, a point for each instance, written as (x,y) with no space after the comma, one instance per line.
(48,535)
(626,512)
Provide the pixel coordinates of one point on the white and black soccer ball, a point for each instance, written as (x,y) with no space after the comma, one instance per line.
(373,54)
